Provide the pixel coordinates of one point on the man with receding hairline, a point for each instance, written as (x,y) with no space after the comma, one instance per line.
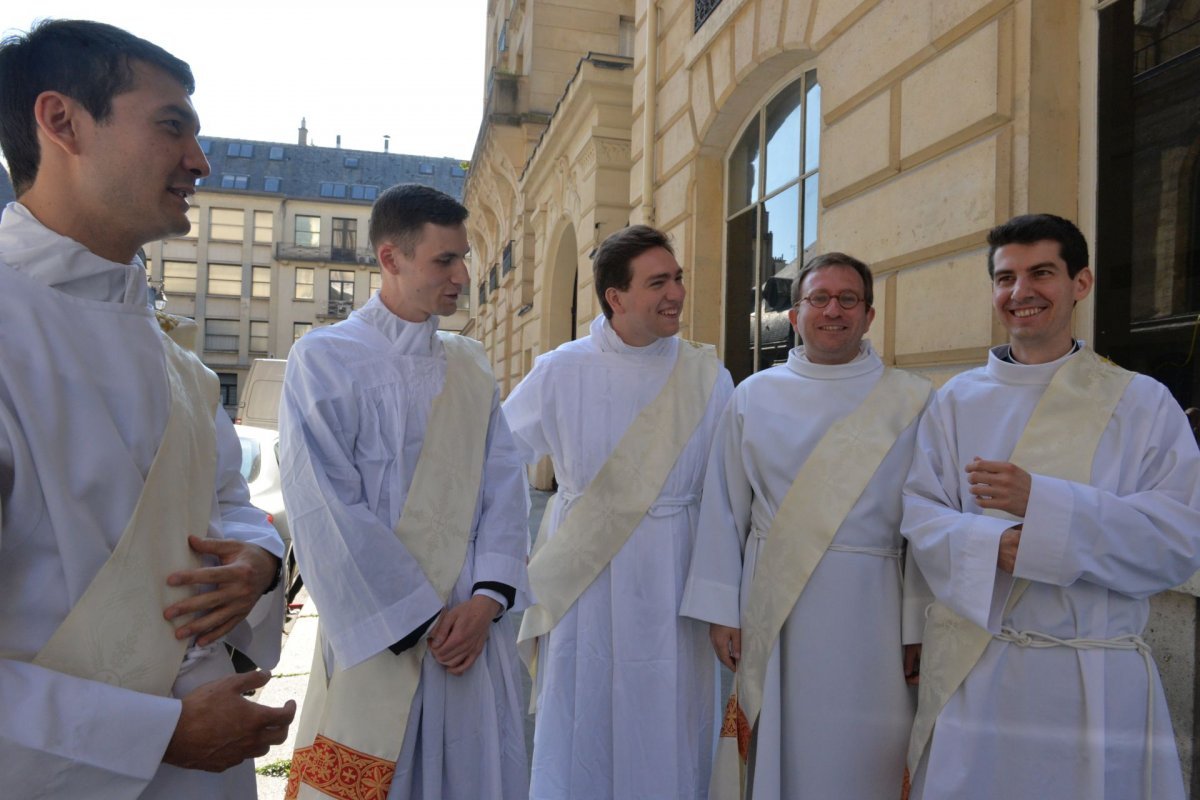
(120,473)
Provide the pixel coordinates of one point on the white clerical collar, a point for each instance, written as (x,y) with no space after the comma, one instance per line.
(610,341)
(1001,366)
(413,338)
(64,264)
(866,361)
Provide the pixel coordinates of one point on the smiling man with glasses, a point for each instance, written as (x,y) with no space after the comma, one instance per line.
(798,555)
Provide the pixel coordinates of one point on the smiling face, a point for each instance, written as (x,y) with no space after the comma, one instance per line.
(650,308)
(1033,295)
(428,280)
(831,335)
(137,169)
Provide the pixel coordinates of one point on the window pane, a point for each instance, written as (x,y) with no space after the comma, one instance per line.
(179,277)
(225,223)
(812,124)
(743,170)
(341,286)
(304,283)
(258,336)
(299,329)
(260,282)
(308,231)
(811,209)
(224,279)
(264,227)
(783,138)
(740,319)
(221,335)
(779,249)
(375,281)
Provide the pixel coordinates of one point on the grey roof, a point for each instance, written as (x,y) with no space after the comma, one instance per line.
(322,173)
(7,195)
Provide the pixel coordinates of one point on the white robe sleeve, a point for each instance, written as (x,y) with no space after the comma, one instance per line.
(260,635)
(502,531)
(370,590)
(956,550)
(712,591)
(1138,543)
(525,408)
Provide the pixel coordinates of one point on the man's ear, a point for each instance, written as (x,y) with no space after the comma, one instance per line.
(388,254)
(613,296)
(1083,281)
(58,119)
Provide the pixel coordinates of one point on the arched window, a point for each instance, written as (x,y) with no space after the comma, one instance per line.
(771,223)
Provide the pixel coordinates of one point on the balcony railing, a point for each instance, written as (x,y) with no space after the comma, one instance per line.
(325,252)
(337,309)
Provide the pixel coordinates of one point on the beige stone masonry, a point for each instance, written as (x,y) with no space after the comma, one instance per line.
(977,73)
(944,305)
(857,150)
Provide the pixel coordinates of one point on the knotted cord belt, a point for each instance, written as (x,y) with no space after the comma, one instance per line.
(1129,641)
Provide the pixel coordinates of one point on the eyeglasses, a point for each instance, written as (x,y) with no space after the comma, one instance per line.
(846,300)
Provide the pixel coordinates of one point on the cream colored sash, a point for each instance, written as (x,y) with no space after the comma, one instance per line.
(829,483)
(1075,408)
(116,633)
(614,503)
(354,721)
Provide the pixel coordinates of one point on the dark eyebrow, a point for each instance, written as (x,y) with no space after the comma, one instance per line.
(182,111)
(664,276)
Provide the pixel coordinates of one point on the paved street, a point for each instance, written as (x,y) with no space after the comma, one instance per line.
(291,675)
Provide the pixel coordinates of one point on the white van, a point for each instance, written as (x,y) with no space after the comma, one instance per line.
(259,403)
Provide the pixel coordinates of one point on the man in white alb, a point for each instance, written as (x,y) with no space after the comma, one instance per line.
(407,503)
(624,686)
(120,486)
(798,556)
(1050,495)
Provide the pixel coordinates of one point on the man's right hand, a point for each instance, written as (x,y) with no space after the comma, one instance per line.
(1010,543)
(219,728)
(728,644)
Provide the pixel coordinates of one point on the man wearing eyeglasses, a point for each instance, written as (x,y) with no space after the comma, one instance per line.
(1051,494)
(797,566)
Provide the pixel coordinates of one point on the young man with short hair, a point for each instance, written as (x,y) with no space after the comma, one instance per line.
(624,686)
(407,503)
(798,556)
(119,470)
(1052,493)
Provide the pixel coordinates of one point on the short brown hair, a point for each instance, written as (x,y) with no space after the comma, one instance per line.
(402,210)
(610,266)
(836,259)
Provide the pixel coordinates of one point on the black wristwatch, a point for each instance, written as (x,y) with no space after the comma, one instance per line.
(278,577)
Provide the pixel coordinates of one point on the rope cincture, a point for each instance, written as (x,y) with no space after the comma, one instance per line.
(1130,641)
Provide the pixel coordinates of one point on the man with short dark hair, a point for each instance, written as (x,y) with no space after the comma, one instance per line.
(407,503)
(623,685)
(119,470)
(798,556)
(1051,494)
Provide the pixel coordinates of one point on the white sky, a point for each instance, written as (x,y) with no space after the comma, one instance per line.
(359,68)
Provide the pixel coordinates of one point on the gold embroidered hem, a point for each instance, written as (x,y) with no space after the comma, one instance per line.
(340,772)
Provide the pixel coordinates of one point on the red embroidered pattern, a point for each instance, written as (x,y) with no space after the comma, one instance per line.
(340,772)
(735,724)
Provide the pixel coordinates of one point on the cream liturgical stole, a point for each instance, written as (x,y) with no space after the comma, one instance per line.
(354,720)
(829,483)
(115,632)
(1075,408)
(616,500)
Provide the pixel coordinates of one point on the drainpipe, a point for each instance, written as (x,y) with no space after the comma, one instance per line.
(649,112)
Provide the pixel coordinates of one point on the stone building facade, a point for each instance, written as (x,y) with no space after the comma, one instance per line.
(760,132)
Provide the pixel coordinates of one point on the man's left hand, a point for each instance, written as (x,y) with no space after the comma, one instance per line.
(458,637)
(1000,485)
(246,571)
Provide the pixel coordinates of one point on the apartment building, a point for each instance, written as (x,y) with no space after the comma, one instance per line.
(278,245)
